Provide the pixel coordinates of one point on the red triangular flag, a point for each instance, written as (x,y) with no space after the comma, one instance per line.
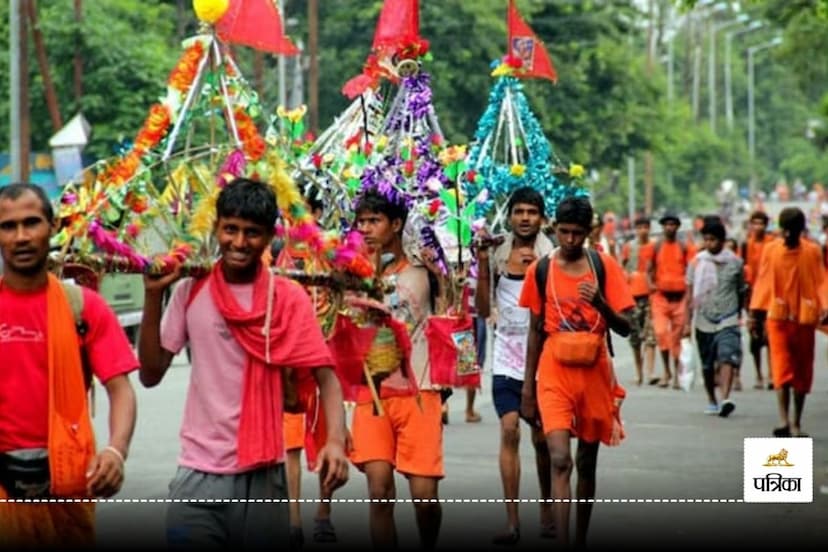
(526,46)
(255,23)
(399,22)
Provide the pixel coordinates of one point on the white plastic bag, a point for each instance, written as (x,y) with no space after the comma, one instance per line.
(687,375)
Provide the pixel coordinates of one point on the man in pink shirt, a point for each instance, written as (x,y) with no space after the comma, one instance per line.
(245,327)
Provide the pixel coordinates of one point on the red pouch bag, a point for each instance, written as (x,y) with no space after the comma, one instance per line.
(452,351)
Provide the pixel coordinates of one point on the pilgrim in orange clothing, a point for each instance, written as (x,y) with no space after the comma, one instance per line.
(790,289)
(575,390)
(751,253)
(669,302)
(636,258)
(576,399)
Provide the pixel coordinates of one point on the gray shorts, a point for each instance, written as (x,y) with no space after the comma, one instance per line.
(244,525)
(722,346)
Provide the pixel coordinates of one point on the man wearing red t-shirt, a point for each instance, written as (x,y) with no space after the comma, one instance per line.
(47,446)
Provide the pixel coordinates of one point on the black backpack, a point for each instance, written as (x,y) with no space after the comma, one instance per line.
(542,275)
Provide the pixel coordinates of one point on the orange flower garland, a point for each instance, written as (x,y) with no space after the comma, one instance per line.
(155,127)
(183,74)
(252,142)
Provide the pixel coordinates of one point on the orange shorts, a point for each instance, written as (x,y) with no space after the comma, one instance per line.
(575,398)
(294,428)
(668,322)
(408,438)
(791,347)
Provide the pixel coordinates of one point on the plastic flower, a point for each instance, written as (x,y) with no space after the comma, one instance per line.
(292,115)
(517,169)
(576,170)
(452,154)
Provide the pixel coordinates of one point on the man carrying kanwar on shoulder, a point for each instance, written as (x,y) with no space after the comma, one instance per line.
(54,338)
(668,273)
(790,291)
(751,253)
(509,261)
(575,295)
(249,331)
(406,435)
(717,284)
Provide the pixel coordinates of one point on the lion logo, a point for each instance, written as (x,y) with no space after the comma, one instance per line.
(778,459)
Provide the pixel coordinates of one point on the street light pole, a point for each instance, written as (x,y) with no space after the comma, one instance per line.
(705,9)
(711,69)
(751,53)
(755,25)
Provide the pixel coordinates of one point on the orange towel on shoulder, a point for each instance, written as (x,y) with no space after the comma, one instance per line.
(71,444)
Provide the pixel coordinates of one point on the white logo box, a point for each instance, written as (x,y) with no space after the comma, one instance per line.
(779,469)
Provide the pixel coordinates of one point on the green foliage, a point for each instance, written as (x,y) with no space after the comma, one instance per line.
(128,50)
(608,105)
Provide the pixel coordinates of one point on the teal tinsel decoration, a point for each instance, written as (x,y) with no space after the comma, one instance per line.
(495,174)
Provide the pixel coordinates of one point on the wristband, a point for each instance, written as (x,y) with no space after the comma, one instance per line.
(117,453)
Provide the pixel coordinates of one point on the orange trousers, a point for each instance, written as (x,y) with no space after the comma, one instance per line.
(46,525)
(668,323)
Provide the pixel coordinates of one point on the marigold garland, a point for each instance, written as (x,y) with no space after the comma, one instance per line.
(253,144)
(183,74)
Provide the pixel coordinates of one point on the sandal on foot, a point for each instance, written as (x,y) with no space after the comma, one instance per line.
(759,385)
(783,431)
(323,531)
(654,381)
(473,418)
(509,538)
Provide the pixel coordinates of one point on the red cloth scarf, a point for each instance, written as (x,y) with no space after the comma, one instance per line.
(295,341)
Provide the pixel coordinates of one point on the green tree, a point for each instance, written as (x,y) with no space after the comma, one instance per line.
(125,70)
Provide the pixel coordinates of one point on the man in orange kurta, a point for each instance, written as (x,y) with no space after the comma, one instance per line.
(751,253)
(790,289)
(668,272)
(576,395)
(636,257)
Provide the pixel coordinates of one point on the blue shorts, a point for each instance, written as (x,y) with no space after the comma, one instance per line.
(506,393)
(722,346)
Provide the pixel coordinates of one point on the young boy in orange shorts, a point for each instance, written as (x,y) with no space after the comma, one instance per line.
(408,435)
(576,391)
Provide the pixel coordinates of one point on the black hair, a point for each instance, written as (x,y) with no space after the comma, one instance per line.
(14,191)
(527,195)
(641,220)
(792,219)
(575,210)
(372,201)
(760,215)
(714,228)
(315,203)
(250,200)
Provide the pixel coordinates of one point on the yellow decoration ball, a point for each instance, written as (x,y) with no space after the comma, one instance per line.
(210,11)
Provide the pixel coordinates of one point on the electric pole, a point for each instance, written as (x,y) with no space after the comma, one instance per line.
(648,155)
(18,91)
(313,69)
